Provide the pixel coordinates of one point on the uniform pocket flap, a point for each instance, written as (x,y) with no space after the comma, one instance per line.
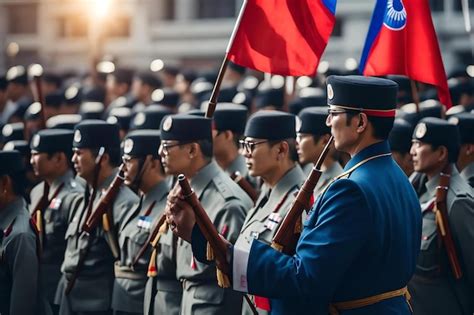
(211,294)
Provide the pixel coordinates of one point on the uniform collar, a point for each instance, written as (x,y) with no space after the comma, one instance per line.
(294,177)
(156,193)
(432,183)
(203,177)
(381,147)
(65,178)
(237,165)
(11,211)
(468,171)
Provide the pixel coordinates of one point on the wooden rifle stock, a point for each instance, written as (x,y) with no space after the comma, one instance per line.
(287,235)
(38,217)
(245,185)
(150,239)
(40,99)
(105,201)
(205,225)
(442,221)
(98,162)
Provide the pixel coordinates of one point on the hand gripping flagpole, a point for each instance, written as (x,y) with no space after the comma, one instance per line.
(217,86)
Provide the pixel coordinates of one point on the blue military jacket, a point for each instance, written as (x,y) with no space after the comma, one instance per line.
(361,239)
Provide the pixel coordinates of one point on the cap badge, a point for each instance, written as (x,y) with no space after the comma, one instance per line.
(77,136)
(71,92)
(112,120)
(7,130)
(330,92)
(139,119)
(35,108)
(128,146)
(36,141)
(420,131)
(453,120)
(298,123)
(167,124)
(9,146)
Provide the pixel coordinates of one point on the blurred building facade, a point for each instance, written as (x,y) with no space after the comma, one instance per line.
(67,34)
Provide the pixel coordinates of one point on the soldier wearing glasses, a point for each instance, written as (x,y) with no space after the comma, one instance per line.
(186,148)
(269,148)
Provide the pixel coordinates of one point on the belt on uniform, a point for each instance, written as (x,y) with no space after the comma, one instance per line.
(335,308)
(126,272)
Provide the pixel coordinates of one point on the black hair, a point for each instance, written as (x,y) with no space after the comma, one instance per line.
(292,152)
(123,76)
(381,125)
(68,155)
(206,148)
(115,156)
(453,153)
(19,183)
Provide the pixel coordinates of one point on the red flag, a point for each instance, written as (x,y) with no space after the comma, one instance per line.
(402,40)
(285,37)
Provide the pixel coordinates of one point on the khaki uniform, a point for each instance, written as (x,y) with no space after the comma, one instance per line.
(226,204)
(62,194)
(129,286)
(20,291)
(433,288)
(263,220)
(92,291)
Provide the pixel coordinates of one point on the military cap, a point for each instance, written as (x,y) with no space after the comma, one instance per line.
(243,98)
(183,127)
(171,70)
(269,96)
(308,97)
(52,78)
(427,108)
(3,83)
(148,78)
(17,74)
(226,94)
(93,94)
(400,136)
(150,117)
(455,110)
(33,111)
(228,116)
(237,68)
(197,112)
(73,95)
(166,96)
(438,132)
(249,84)
(91,110)
(123,76)
(200,88)
(13,131)
(63,121)
(465,123)
(52,140)
(21,146)
(11,162)
(271,125)
(94,133)
(121,116)
(313,121)
(140,143)
(54,99)
(375,97)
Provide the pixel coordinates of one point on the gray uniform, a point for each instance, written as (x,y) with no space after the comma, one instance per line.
(226,204)
(468,174)
(263,220)
(327,176)
(19,269)
(93,288)
(163,292)
(62,194)
(129,285)
(433,288)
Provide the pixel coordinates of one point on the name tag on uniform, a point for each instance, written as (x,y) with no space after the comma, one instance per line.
(273,221)
(55,203)
(144,222)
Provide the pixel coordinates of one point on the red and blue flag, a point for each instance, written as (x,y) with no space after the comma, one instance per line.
(402,40)
(285,37)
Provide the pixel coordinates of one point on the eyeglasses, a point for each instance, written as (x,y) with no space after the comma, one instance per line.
(165,147)
(335,112)
(249,146)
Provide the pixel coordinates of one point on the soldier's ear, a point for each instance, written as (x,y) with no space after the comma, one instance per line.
(443,153)
(193,149)
(363,122)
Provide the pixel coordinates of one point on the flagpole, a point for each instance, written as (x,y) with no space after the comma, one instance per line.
(415,95)
(211,107)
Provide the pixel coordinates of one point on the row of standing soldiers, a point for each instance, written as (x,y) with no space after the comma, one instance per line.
(83,261)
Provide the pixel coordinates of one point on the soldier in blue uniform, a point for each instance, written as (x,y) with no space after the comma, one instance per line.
(20,291)
(360,242)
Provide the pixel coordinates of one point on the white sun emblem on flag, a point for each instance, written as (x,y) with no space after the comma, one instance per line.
(396,15)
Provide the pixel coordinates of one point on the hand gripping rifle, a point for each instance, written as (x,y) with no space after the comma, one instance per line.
(442,221)
(217,248)
(245,185)
(288,233)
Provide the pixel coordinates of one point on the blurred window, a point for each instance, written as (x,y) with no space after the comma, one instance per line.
(22,18)
(212,9)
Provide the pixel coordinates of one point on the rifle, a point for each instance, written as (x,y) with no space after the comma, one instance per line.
(36,73)
(98,162)
(217,248)
(37,215)
(442,221)
(287,235)
(245,185)
(92,221)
